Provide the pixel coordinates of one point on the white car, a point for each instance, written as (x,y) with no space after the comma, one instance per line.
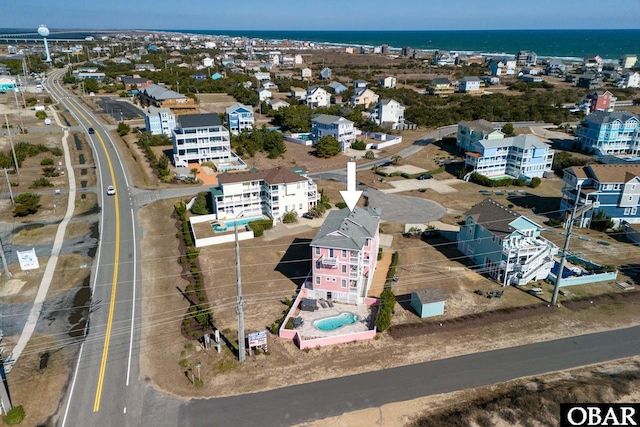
(111,191)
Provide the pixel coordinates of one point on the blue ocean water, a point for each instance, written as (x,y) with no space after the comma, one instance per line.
(609,44)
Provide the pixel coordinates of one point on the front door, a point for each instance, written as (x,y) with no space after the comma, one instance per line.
(328,295)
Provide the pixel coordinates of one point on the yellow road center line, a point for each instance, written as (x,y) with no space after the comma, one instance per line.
(107,337)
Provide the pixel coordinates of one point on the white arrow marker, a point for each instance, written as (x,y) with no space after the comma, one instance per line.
(351,196)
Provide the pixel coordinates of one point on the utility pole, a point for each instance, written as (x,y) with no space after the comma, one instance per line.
(5,401)
(556,287)
(4,263)
(6,175)
(241,349)
(13,150)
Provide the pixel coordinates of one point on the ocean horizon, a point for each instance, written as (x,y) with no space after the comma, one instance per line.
(565,44)
(569,44)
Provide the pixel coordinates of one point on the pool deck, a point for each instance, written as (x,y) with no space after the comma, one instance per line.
(308,331)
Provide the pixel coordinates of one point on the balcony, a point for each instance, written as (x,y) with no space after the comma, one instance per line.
(329,262)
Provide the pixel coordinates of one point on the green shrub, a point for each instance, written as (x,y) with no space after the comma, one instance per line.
(257,229)
(14,416)
(359,145)
(47,161)
(380,254)
(41,182)
(290,217)
(385,310)
(535,182)
(41,115)
(341,205)
(123,129)
(201,204)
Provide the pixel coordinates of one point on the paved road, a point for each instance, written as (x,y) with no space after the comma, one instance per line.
(101,388)
(308,402)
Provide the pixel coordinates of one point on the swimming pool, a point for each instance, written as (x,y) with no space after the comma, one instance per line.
(229,224)
(335,322)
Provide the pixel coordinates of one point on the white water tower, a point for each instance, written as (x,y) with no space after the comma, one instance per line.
(43,31)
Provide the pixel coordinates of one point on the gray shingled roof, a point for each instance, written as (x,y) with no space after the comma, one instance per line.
(327,119)
(199,120)
(279,175)
(430,295)
(345,229)
(520,141)
(160,93)
(237,106)
(480,125)
(601,117)
(494,217)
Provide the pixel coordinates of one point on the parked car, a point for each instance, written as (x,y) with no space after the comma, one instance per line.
(92,131)
(308,215)
(425,176)
(111,191)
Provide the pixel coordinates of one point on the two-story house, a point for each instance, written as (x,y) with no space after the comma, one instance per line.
(441,86)
(526,58)
(271,192)
(388,113)
(325,74)
(388,82)
(306,73)
(298,93)
(317,97)
(344,254)
(470,132)
(161,97)
(628,61)
(555,67)
(612,189)
(507,245)
(599,101)
(338,127)
(200,138)
(605,133)
(523,156)
(630,80)
(240,117)
(471,84)
(498,67)
(364,96)
(159,121)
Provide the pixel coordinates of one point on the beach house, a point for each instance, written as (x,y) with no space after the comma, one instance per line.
(161,97)
(470,132)
(606,133)
(240,117)
(508,246)
(200,138)
(344,254)
(388,113)
(471,84)
(388,82)
(523,156)
(364,96)
(611,189)
(338,127)
(272,192)
(317,97)
(159,121)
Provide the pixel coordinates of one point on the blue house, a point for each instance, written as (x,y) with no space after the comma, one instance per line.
(239,118)
(337,87)
(217,76)
(325,74)
(611,189)
(507,245)
(159,121)
(604,132)
(428,302)
(199,76)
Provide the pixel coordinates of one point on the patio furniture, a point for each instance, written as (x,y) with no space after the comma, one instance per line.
(330,303)
(322,303)
(498,192)
(523,192)
(308,304)
(297,322)
(511,193)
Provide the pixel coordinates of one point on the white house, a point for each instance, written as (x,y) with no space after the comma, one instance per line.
(208,62)
(631,80)
(317,97)
(298,93)
(306,73)
(389,112)
(261,76)
(387,82)
(272,192)
(470,84)
(338,127)
(200,138)
(277,104)
(264,94)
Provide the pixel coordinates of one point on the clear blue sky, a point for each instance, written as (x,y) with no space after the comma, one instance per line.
(322,14)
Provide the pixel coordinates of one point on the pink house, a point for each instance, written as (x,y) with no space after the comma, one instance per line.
(344,254)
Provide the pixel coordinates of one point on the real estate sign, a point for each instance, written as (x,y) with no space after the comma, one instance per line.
(257,339)
(28,259)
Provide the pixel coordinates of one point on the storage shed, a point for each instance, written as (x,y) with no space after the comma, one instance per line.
(428,302)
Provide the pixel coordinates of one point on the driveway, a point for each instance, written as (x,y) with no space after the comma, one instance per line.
(404,209)
(441,186)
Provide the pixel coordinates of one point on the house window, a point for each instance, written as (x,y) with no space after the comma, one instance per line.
(344,268)
(317,280)
(343,283)
(333,279)
(317,250)
(328,279)
(627,211)
(331,253)
(344,254)
(630,198)
(634,211)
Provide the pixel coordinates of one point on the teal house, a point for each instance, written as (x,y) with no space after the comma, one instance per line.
(506,245)
(428,302)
